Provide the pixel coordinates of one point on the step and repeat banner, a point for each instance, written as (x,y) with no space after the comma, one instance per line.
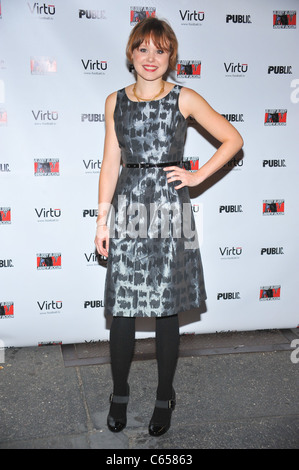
(58,63)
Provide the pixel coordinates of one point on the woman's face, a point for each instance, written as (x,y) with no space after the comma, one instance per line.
(150,62)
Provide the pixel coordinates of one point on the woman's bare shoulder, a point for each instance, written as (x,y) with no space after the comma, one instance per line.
(111,98)
(189,94)
(110,104)
(189,101)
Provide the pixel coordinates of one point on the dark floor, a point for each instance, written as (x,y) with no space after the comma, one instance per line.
(234,391)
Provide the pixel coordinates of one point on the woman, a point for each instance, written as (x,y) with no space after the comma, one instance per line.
(153,270)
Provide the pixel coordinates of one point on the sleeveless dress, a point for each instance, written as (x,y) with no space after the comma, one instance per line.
(154,266)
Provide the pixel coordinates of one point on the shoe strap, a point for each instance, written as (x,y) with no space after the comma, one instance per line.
(167,404)
(118,399)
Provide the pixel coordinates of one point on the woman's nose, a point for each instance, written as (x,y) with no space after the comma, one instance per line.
(151,56)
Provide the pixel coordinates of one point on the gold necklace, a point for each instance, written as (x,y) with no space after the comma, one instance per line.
(151,99)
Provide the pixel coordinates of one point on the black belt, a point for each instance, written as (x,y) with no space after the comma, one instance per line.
(151,165)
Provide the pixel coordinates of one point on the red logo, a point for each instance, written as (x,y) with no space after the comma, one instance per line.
(6,310)
(275,117)
(189,69)
(46,167)
(270,293)
(138,14)
(5,215)
(273,207)
(284,19)
(3,117)
(48,261)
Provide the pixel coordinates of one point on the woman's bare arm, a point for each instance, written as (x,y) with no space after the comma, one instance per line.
(108,176)
(192,104)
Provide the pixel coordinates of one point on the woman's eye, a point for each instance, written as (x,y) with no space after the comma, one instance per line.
(142,49)
(159,51)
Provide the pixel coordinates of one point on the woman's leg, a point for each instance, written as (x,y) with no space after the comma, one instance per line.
(167,347)
(122,341)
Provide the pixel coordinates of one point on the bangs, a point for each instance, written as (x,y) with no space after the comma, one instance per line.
(160,32)
(159,38)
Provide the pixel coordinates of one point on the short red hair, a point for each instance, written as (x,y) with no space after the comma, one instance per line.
(161,34)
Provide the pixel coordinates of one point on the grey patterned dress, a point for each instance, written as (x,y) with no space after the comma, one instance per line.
(154,267)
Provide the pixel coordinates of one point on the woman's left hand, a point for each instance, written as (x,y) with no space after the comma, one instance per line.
(185,177)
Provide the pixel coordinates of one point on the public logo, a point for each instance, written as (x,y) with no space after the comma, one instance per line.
(228,296)
(6,310)
(233,69)
(277,250)
(6,263)
(234,117)
(191,18)
(189,69)
(48,261)
(3,117)
(90,213)
(43,65)
(238,19)
(94,304)
(275,163)
(92,14)
(92,117)
(46,167)
(273,207)
(138,14)
(284,19)
(231,209)
(280,69)
(94,67)
(42,11)
(52,306)
(4,168)
(275,117)
(5,215)
(197,210)
(270,293)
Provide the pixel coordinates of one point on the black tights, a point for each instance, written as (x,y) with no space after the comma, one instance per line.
(122,341)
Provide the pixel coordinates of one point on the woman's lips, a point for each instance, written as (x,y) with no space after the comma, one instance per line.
(150,68)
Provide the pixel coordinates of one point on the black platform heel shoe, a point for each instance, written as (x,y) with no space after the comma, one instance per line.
(160,422)
(119,422)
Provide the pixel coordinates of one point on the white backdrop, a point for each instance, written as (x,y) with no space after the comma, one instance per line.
(58,62)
